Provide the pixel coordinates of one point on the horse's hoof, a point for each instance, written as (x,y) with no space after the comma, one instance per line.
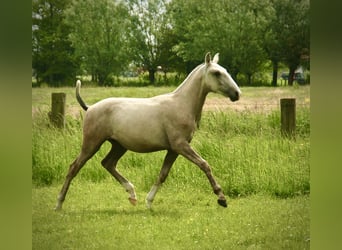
(133,201)
(58,207)
(222,203)
(148,204)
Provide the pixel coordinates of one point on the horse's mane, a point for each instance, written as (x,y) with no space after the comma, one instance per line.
(191,74)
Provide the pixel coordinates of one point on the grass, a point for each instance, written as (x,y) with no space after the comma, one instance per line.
(265,176)
(98,216)
(246,151)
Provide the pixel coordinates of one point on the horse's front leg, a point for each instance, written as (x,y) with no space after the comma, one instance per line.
(186,150)
(170,158)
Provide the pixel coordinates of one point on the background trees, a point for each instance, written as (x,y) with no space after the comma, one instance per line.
(53,57)
(296,32)
(234,28)
(100,38)
(148,23)
(98,34)
(287,37)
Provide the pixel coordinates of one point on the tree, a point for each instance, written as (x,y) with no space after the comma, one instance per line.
(273,48)
(287,37)
(99,36)
(192,26)
(148,23)
(297,34)
(248,21)
(169,60)
(53,58)
(233,28)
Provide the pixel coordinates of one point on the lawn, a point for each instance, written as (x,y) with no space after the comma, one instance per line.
(99,216)
(265,176)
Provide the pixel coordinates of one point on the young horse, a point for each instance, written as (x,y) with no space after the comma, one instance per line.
(164,122)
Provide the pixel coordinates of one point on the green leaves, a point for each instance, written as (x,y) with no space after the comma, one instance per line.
(101,38)
(53,56)
(98,29)
(233,28)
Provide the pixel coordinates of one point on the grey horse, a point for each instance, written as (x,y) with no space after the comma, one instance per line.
(163,122)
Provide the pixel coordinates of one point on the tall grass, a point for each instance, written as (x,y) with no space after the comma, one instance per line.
(245,149)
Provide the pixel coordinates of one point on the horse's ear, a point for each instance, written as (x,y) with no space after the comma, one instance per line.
(207,58)
(216,58)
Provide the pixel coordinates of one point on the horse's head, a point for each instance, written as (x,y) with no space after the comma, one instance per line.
(218,80)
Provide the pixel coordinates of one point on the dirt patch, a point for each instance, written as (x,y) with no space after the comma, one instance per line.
(259,99)
(220,104)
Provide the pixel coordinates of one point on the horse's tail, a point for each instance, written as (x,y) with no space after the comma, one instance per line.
(78,97)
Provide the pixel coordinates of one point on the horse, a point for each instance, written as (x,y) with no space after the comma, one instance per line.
(163,122)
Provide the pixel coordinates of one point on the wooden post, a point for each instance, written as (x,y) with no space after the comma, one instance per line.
(57,114)
(288,116)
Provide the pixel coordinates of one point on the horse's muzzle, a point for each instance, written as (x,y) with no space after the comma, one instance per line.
(234,97)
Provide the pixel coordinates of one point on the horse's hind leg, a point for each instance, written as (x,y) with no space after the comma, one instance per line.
(109,163)
(87,152)
(168,161)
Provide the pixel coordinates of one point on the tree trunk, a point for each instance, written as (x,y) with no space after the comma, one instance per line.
(165,76)
(249,79)
(291,75)
(101,79)
(275,73)
(151,75)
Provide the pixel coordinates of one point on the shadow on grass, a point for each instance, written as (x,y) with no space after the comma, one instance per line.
(124,211)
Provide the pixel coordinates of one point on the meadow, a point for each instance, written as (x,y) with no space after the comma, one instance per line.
(265,176)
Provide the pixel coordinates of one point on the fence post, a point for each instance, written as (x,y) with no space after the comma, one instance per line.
(57,114)
(288,116)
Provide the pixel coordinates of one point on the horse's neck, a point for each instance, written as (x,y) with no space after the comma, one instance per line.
(192,94)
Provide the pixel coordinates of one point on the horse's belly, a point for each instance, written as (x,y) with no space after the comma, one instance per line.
(142,143)
(143,136)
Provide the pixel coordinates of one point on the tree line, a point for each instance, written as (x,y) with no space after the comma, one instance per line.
(103,38)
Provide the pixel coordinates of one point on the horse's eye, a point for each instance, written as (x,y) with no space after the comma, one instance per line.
(217,73)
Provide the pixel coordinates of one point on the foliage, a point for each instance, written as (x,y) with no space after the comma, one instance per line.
(146,32)
(234,28)
(287,38)
(247,42)
(53,57)
(108,37)
(98,34)
(297,33)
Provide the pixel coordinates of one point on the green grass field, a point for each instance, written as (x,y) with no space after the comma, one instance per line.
(99,216)
(266,177)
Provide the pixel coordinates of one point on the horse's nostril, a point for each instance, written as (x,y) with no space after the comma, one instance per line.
(237,95)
